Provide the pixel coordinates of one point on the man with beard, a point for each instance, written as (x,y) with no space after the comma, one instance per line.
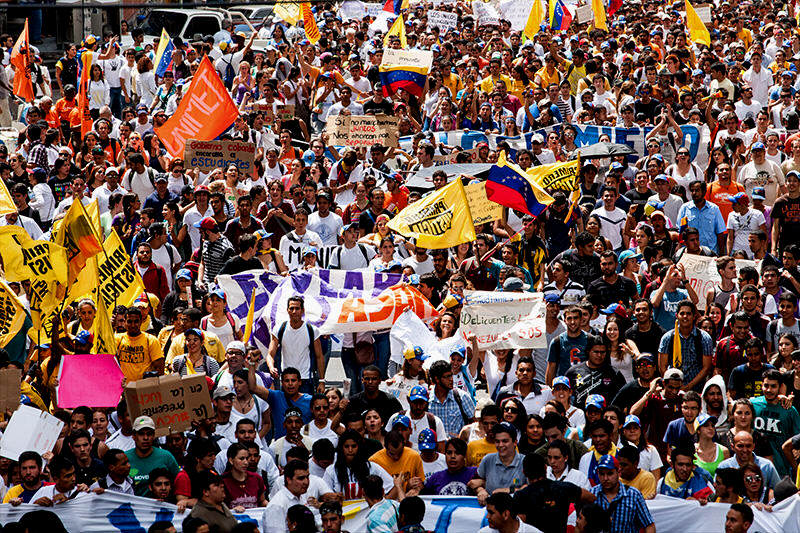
(595,375)
(645,372)
(30,472)
(646,333)
(611,288)
(730,350)
(715,403)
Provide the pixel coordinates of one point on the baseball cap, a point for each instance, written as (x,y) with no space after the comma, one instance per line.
(310,250)
(658,213)
(513,284)
(596,400)
(113,170)
(608,462)
(184,273)
(418,392)
(218,292)
(414,352)
(352,225)
(628,254)
(141,108)
(758,146)
(562,380)
(160,177)
(413,279)
(661,177)
(293,411)
(616,165)
(698,72)
(739,198)
(236,346)
(759,193)
(552,298)
(402,420)
(461,351)
(223,391)
(646,357)
(427,439)
(194,331)
(207,223)
(704,418)
(673,373)
(630,420)
(615,309)
(144,422)
(84,337)
(201,188)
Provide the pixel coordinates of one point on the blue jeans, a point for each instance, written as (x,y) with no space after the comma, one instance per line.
(383,351)
(352,370)
(116,101)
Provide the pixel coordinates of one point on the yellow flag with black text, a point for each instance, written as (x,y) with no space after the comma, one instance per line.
(77,234)
(440,220)
(118,281)
(12,314)
(557,176)
(26,259)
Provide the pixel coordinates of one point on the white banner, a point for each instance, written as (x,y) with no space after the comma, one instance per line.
(352,10)
(410,330)
(701,272)
(486,14)
(517,12)
(112,512)
(504,319)
(444,20)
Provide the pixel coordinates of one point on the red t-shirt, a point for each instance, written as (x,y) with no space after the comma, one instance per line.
(242,494)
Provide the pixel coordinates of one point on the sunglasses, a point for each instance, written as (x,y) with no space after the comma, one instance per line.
(751,479)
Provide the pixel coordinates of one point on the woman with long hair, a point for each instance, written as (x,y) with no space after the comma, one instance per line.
(247,405)
(458,254)
(296,176)
(127,223)
(514,413)
(385,255)
(708,325)
(381,232)
(717,314)
(270,258)
(632,434)
(742,419)
(784,356)
(156,153)
(196,358)
(621,351)
(200,456)
(354,209)
(219,321)
(708,452)
(243,82)
(98,91)
(718,156)
(786,342)
(446,325)
(629,268)
(756,493)
(165,91)
(532,436)
(374,425)
(146,82)
(84,156)
(351,468)
(593,226)
(562,393)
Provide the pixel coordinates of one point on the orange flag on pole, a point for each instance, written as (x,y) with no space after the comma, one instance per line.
(21,59)
(83,96)
(309,24)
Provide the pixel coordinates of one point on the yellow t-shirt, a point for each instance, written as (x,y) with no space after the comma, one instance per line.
(575,74)
(548,77)
(487,84)
(210,340)
(453,83)
(644,482)
(518,87)
(477,449)
(410,463)
(137,354)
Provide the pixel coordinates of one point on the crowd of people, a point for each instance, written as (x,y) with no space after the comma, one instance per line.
(646,387)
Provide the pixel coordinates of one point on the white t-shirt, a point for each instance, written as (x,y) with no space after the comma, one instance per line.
(418,425)
(494,374)
(523,528)
(311,431)
(768,175)
(192,216)
(50,491)
(420,268)
(139,184)
(345,258)
(294,348)
(611,224)
(326,227)
(332,479)
(742,226)
(161,257)
(112,68)
(437,465)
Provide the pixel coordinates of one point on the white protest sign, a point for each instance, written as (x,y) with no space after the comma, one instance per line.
(701,272)
(373,10)
(444,2)
(353,10)
(30,429)
(493,318)
(486,14)
(584,14)
(417,59)
(516,13)
(444,20)
(410,330)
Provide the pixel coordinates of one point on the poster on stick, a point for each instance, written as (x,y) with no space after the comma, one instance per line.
(355,131)
(208,155)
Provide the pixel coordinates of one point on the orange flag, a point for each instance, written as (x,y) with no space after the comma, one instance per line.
(206,110)
(21,59)
(83,96)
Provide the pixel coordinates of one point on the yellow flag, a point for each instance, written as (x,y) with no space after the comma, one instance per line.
(93,210)
(289,12)
(76,233)
(557,177)
(440,220)
(309,24)
(677,359)
(12,314)
(398,29)
(534,22)
(697,30)
(25,258)
(599,15)
(119,283)
(104,340)
(7,204)
(248,325)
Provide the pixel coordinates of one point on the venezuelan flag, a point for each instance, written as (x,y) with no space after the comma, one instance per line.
(405,69)
(560,15)
(509,186)
(163,58)
(394,6)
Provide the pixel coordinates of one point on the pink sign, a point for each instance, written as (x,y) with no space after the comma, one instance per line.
(91,380)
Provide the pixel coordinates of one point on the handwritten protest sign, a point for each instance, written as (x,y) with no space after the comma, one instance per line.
(10,378)
(373,10)
(93,380)
(701,272)
(362,131)
(208,155)
(29,429)
(444,20)
(486,14)
(584,14)
(516,12)
(493,318)
(483,210)
(173,402)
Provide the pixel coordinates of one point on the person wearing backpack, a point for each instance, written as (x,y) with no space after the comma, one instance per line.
(351,254)
(139,179)
(296,343)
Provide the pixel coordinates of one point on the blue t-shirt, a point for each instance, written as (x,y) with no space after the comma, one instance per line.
(677,433)
(278,404)
(666,312)
(567,351)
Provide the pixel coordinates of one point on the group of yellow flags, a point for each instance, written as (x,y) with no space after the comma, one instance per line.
(61,270)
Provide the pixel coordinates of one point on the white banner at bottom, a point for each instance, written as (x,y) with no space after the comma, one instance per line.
(112,512)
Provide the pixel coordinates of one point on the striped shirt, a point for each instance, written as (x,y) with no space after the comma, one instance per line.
(630,513)
(450,413)
(214,256)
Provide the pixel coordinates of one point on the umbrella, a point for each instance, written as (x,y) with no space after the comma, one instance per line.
(423,178)
(603,149)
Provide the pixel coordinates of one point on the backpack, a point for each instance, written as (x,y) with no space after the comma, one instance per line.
(151,174)
(504,380)
(698,347)
(339,254)
(230,73)
(204,320)
(431,419)
(311,354)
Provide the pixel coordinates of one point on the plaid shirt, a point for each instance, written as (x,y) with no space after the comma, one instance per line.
(449,412)
(37,157)
(382,518)
(630,513)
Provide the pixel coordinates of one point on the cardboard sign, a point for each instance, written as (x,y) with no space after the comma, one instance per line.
(584,14)
(10,378)
(30,429)
(701,272)
(285,112)
(362,131)
(173,402)
(208,155)
(444,20)
(483,210)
